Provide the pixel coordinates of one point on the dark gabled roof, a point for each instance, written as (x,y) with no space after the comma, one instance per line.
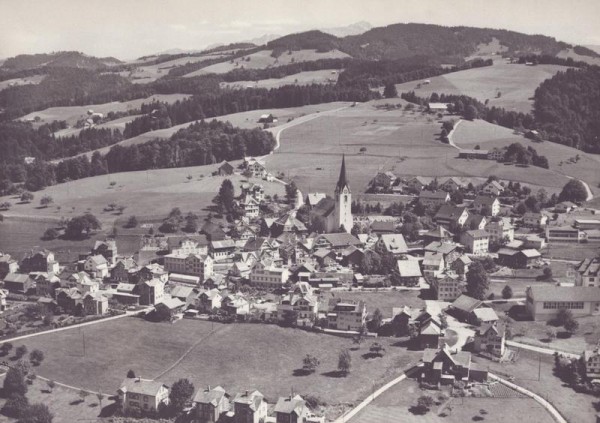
(287,405)
(484,200)
(435,195)
(383,225)
(324,207)
(448,211)
(341,239)
(466,303)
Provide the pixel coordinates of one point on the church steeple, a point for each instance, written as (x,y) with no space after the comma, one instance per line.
(343,180)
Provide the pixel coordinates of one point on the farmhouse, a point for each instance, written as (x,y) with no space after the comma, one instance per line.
(428,198)
(291,409)
(500,229)
(417,183)
(544,302)
(249,407)
(588,272)
(210,300)
(18,283)
(475,221)
(433,264)
(493,188)
(465,153)
(437,107)
(136,394)
(210,404)
(486,205)
(447,288)
(534,220)
(267,118)
(106,248)
(407,272)
(491,338)
(464,305)
(591,359)
(440,367)
(393,244)
(222,250)
(449,215)
(452,184)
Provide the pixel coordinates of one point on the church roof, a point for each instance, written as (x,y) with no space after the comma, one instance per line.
(343,180)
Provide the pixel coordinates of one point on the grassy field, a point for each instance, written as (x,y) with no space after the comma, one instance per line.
(394,405)
(237,356)
(397,140)
(534,372)
(35,79)
(112,124)
(565,54)
(516,83)
(263,59)
(72,114)
(325,76)
(383,300)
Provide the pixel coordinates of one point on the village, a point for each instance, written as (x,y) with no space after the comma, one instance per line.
(294,262)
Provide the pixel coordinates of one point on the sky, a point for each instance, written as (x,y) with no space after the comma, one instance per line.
(127,29)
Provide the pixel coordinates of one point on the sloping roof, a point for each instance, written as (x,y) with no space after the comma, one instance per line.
(172,303)
(588,267)
(476,233)
(313,198)
(441,247)
(432,258)
(141,386)
(565,293)
(439,232)
(409,268)
(210,396)
(474,220)
(341,239)
(226,243)
(531,253)
(383,225)
(97,260)
(394,243)
(485,314)
(16,278)
(181,291)
(324,207)
(287,405)
(466,303)
(507,252)
(253,399)
(484,200)
(438,195)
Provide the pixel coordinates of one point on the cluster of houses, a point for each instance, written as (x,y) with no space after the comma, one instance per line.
(215,404)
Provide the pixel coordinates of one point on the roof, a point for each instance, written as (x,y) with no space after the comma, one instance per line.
(498,327)
(476,233)
(485,314)
(439,232)
(474,221)
(438,195)
(324,207)
(484,200)
(16,278)
(409,268)
(172,303)
(383,225)
(210,396)
(141,386)
(588,267)
(531,253)
(341,239)
(466,303)
(443,106)
(441,247)
(433,258)
(507,252)
(180,291)
(287,405)
(313,198)
(496,185)
(564,293)
(448,211)
(253,399)
(343,180)
(430,328)
(97,260)
(394,243)
(226,243)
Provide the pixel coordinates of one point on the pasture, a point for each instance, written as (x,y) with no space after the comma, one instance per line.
(325,76)
(516,83)
(27,80)
(111,124)
(405,142)
(263,59)
(479,132)
(71,114)
(236,356)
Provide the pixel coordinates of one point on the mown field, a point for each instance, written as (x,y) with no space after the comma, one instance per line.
(479,132)
(404,142)
(72,114)
(516,83)
(325,76)
(237,356)
(35,79)
(263,59)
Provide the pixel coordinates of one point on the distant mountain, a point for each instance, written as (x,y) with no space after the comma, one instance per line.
(353,29)
(176,51)
(595,48)
(61,59)
(263,39)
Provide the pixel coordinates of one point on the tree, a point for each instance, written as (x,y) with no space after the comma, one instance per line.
(36,357)
(37,413)
(5,205)
(20,351)
(471,112)
(377,349)
(225,197)
(132,222)
(81,226)
(191,223)
(344,362)
(574,190)
(6,347)
(26,197)
(507,292)
(477,281)
(424,403)
(457,197)
(571,326)
(46,200)
(563,316)
(15,406)
(51,384)
(50,234)
(181,393)
(291,191)
(551,333)
(375,322)
(547,273)
(100,397)
(14,382)
(131,374)
(310,363)
(390,91)
(443,320)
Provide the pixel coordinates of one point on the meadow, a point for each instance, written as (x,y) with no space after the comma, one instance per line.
(235,356)
(35,79)
(325,76)
(516,83)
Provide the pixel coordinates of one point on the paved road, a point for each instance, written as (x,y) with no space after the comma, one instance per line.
(541,350)
(450,140)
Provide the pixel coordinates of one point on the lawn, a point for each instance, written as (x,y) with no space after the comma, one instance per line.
(237,356)
(396,140)
(324,76)
(393,406)
(383,300)
(516,83)
(573,406)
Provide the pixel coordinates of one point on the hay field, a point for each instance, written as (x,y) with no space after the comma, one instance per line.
(403,142)
(263,59)
(565,54)
(487,136)
(34,80)
(72,114)
(325,76)
(112,124)
(516,83)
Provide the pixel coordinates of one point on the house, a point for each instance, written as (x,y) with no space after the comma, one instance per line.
(325,257)
(491,338)
(200,265)
(433,264)
(250,206)
(493,188)
(475,221)
(483,315)
(235,304)
(437,107)
(346,315)
(401,319)
(69,299)
(97,266)
(393,244)
(291,409)
(544,302)
(267,275)
(257,191)
(500,229)
(417,183)
(171,305)
(447,288)
(565,234)
(428,198)
(299,307)
(440,367)
(184,293)
(471,153)
(142,395)
(380,227)
(452,184)
(210,404)
(153,271)
(464,305)
(564,207)
(249,407)
(127,294)
(534,220)
(288,223)
(267,118)
(588,272)
(95,304)
(476,241)
(460,266)
(384,180)
(208,301)
(107,249)
(225,169)
(313,198)
(430,333)
(45,284)
(439,234)
(336,241)
(256,168)
(18,283)
(407,273)
(151,292)
(495,154)
(585,224)
(591,358)
(486,205)
(352,256)
(122,269)
(449,250)
(40,261)
(7,265)
(4,295)
(451,215)
(213,231)
(222,250)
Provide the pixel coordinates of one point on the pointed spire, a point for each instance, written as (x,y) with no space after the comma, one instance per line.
(343,180)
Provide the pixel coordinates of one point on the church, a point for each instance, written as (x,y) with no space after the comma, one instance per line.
(337,212)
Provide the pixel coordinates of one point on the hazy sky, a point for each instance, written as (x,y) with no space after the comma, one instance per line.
(131,28)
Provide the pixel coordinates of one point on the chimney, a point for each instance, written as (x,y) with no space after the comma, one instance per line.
(208,388)
(246,393)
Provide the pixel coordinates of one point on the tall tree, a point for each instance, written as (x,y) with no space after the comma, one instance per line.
(477,281)
(181,393)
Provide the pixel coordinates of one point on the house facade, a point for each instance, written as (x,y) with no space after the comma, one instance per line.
(346,315)
(544,302)
(142,395)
